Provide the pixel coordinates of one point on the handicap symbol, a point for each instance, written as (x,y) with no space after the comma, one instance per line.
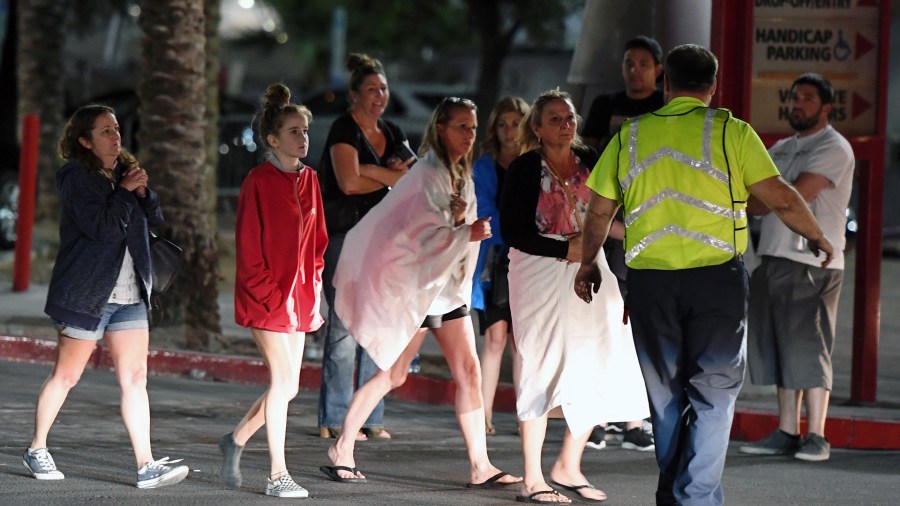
(842,50)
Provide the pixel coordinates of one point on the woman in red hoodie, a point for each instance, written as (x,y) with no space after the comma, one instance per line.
(280,241)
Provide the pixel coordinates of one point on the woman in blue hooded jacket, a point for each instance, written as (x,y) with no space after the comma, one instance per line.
(500,149)
(100,287)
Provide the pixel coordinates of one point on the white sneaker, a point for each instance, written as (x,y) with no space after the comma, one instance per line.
(284,486)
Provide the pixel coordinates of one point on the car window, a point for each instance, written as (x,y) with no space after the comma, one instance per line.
(327,103)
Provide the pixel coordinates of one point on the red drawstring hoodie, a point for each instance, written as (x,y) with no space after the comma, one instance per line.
(280,239)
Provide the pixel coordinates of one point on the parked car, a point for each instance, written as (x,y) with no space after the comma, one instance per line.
(410,108)
(239,151)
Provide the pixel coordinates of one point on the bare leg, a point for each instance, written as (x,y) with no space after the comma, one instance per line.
(567,469)
(252,421)
(533,433)
(283,353)
(816,410)
(491,358)
(71,357)
(128,350)
(457,340)
(364,401)
(789,410)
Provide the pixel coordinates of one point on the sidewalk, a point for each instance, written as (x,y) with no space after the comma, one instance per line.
(28,336)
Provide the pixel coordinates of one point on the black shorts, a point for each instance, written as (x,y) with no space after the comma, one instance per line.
(434,321)
(492,315)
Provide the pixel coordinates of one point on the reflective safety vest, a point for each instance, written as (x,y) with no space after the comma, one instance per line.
(679,205)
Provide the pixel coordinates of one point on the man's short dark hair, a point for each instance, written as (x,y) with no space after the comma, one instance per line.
(690,67)
(822,85)
(644,42)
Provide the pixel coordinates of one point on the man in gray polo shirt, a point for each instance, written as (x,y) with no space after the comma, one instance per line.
(793,301)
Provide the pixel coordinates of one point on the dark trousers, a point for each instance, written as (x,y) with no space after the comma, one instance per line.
(689,335)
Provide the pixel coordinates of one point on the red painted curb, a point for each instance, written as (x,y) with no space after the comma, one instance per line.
(233,369)
(748,425)
(857,433)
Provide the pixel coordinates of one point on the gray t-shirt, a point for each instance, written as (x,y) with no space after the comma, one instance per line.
(827,153)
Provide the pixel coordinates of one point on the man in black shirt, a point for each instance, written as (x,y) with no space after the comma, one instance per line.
(641,68)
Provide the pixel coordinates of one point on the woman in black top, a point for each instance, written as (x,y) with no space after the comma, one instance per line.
(362,160)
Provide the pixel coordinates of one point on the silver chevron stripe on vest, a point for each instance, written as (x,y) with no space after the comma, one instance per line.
(705,165)
(668,193)
(676,230)
(636,168)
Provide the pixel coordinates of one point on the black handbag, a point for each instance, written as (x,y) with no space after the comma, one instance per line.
(500,279)
(165,260)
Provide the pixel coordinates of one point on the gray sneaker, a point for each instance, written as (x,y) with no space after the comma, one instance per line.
(776,443)
(815,448)
(159,473)
(41,464)
(231,464)
(284,486)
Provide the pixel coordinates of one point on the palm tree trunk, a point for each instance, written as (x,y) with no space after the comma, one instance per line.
(40,88)
(213,15)
(173,151)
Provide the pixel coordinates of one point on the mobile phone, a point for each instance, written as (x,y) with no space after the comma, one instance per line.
(404,152)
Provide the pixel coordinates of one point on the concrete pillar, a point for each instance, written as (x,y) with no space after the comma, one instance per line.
(596,61)
(683,22)
(608,24)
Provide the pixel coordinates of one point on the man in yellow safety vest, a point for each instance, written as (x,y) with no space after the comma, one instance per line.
(684,174)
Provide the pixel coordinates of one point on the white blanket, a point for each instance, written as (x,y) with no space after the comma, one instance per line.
(405,260)
(572,354)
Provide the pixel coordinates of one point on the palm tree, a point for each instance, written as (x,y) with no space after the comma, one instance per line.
(40,27)
(173,103)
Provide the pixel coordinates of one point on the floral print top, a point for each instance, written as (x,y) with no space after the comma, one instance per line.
(554,215)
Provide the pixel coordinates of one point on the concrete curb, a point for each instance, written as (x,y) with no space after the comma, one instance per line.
(749,425)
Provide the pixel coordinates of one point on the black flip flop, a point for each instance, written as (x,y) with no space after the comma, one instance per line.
(534,500)
(577,488)
(492,482)
(332,472)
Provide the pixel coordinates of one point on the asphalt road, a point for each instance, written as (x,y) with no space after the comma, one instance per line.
(423,465)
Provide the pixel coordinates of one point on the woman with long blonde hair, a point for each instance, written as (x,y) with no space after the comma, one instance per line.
(490,294)
(407,269)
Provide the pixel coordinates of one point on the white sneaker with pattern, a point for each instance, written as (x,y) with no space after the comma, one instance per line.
(284,486)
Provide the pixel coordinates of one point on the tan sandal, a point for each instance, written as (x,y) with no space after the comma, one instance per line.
(335,432)
(376,432)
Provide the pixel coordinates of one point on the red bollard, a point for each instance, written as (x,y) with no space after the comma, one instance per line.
(27,192)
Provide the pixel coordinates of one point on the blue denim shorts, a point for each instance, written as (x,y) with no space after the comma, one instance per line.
(115,317)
